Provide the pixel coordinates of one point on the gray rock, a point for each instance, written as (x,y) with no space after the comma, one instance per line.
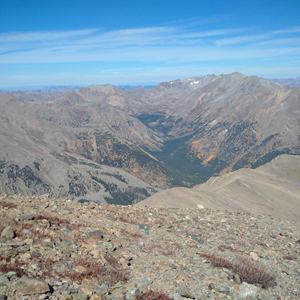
(247,290)
(3,280)
(97,234)
(27,217)
(31,286)
(8,233)
(23,249)
(56,282)
(80,297)
(44,205)
(185,292)
(144,282)
(111,297)
(200,241)
(7,221)
(63,287)
(145,227)
(236,278)
(24,278)
(27,233)
(3,297)
(73,290)
(46,196)
(292,272)
(223,289)
(176,296)
(132,294)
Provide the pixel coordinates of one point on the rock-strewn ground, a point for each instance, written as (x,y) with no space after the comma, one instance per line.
(58,249)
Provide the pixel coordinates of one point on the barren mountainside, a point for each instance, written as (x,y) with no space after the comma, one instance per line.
(179,133)
(272,189)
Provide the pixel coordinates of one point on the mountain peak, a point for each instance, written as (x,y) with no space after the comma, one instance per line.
(237,75)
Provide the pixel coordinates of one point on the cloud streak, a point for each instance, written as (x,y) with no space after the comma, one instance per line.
(143,44)
(174,46)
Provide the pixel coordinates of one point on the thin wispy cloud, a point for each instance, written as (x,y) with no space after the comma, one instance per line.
(74,45)
(170,45)
(241,39)
(176,44)
(40,36)
(281,42)
(289,30)
(96,38)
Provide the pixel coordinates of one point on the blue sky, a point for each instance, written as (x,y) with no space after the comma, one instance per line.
(82,42)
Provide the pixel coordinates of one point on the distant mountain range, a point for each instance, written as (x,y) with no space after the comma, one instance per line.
(59,88)
(42,88)
(295,82)
(119,145)
(131,87)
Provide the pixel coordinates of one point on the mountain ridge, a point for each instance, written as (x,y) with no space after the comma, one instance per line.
(179,133)
(272,189)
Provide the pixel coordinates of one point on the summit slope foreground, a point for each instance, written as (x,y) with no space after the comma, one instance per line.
(58,249)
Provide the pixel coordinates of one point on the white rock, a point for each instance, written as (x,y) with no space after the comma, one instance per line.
(254,256)
(247,290)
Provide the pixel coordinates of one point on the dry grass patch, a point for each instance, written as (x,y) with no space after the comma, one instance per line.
(289,257)
(168,252)
(230,248)
(133,235)
(112,261)
(58,221)
(128,220)
(8,204)
(111,275)
(17,266)
(249,271)
(151,295)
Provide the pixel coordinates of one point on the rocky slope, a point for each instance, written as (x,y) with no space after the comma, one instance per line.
(58,249)
(272,189)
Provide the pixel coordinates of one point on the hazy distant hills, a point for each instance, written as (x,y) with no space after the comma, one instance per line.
(295,82)
(131,87)
(272,189)
(51,89)
(180,133)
